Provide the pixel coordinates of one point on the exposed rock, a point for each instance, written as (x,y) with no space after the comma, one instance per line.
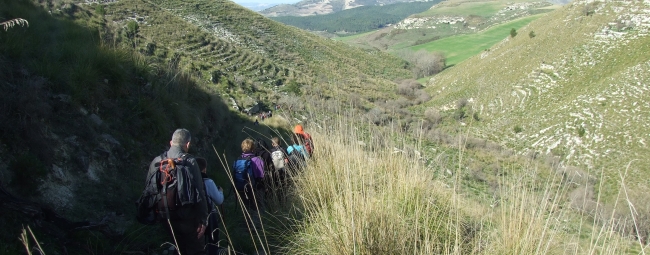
(96,119)
(58,173)
(94,169)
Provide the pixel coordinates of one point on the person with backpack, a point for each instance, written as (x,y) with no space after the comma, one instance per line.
(280,160)
(214,194)
(297,153)
(305,137)
(248,170)
(174,180)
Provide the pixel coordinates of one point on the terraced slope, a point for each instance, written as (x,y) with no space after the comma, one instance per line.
(578,90)
(254,53)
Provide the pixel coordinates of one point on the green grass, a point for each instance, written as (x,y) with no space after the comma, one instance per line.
(352,37)
(462,47)
(484,9)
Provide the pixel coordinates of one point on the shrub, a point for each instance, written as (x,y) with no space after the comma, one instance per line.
(408,88)
(513,32)
(433,115)
(531,34)
(293,87)
(100,10)
(581,131)
(460,114)
(376,116)
(462,103)
(590,9)
(518,129)
(422,97)
(475,116)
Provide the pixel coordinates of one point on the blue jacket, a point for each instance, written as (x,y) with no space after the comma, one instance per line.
(299,148)
(212,192)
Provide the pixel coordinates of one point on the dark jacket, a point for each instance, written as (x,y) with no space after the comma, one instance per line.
(265,155)
(199,210)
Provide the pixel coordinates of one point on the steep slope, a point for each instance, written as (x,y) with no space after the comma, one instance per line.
(577,90)
(93,91)
(237,41)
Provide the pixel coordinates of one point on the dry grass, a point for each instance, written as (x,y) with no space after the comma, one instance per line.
(359,198)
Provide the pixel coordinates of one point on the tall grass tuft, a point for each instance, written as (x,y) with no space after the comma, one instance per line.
(356,200)
(362,195)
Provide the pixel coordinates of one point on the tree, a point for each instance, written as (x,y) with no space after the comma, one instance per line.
(513,33)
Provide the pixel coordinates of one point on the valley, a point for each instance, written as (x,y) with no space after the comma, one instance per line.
(531,141)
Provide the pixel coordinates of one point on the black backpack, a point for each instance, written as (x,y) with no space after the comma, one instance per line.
(166,190)
(296,158)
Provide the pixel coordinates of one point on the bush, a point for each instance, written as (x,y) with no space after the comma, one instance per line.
(408,88)
(424,63)
(531,34)
(433,115)
(462,103)
(513,32)
(518,129)
(376,116)
(99,9)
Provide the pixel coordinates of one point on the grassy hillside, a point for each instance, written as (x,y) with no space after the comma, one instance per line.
(574,91)
(357,20)
(94,92)
(461,47)
(446,19)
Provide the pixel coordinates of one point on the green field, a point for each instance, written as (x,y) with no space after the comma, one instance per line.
(484,9)
(352,37)
(459,48)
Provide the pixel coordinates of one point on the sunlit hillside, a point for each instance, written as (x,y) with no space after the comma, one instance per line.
(570,85)
(449,18)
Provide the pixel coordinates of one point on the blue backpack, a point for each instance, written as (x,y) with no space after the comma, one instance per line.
(242,173)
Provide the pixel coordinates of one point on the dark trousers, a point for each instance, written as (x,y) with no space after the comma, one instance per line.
(248,197)
(188,240)
(212,234)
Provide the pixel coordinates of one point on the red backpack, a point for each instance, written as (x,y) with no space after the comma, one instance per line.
(308,143)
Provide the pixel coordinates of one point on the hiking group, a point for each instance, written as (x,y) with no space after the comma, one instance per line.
(187,205)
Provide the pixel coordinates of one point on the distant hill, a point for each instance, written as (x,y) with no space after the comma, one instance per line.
(357,20)
(446,19)
(317,7)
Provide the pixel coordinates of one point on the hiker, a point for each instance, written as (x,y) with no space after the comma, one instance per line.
(262,151)
(248,173)
(185,211)
(214,194)
(279,160)
(297,153)
(306,139)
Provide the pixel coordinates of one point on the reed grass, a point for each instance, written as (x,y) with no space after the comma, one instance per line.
(356,198)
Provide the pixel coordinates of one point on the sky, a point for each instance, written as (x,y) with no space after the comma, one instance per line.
(258,5)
